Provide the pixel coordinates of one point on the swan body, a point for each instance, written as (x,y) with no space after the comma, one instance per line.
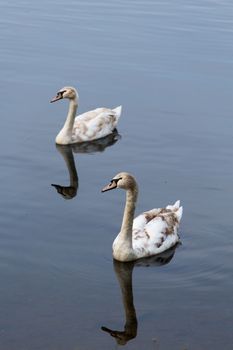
(88,126)
(150,233)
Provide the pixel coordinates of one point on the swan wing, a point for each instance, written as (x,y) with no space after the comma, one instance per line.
(155,231)
(95,124)
(87,116)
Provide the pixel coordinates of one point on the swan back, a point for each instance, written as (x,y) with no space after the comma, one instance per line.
(156,230)
(95,124)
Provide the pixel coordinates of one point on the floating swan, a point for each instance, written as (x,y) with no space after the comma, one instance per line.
(148,234)
(88,126)
(124,275)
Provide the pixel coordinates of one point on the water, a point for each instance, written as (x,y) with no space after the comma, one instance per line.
(169,63)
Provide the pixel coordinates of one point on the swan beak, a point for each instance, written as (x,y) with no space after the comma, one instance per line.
(56,98)
(111,186)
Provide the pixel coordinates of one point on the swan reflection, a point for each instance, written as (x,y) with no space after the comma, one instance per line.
(68,192)
(97,145)
(124,272)
(66,151)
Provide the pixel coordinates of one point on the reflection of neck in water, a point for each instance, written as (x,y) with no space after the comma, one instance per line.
(124,273)
(68,192)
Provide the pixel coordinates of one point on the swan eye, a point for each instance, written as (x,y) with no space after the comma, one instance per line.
(115,180)
(60,93)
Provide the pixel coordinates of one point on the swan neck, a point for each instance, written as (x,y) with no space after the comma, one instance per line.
(69,123)
(127,222)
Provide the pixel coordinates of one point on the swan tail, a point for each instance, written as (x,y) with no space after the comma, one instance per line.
(177,209)
(176,205)
(118,110)
(179,213)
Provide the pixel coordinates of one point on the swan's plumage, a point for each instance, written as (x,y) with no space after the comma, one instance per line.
(95,124)
(156,230)
(88,126)
(150,233)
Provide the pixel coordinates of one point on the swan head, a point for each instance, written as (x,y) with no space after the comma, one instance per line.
(122,180)
(66,92)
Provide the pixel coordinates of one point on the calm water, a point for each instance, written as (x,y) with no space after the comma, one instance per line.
(169,63)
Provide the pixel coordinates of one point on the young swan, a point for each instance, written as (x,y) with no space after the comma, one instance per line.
(148,234)
(88,126)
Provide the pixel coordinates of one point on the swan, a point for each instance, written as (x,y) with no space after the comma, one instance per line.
(88,126)
(150,233)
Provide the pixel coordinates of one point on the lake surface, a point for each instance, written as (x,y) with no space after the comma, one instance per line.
(169,63)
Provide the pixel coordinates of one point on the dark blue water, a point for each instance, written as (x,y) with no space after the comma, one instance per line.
(169,63)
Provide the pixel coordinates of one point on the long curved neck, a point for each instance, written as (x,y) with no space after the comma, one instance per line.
(127,222)
(68,126)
